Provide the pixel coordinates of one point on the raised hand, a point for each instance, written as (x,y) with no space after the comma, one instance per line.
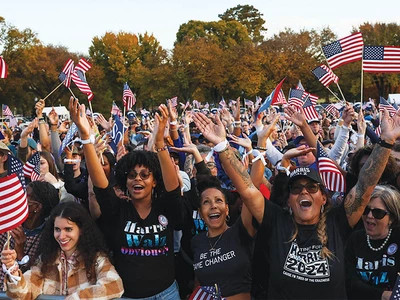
(297,117)
(390,127)
(39,108)
(299,151)
(361,124)
(53,117)
(103,122)
(244,142)
(78,116)
(162,119)
(236,109)
(29,129)
(187,148)
(264,134)
(215,133)
(348,115)
(8,257)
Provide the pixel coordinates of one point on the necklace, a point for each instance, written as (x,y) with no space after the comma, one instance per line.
(212,247)
(384,242)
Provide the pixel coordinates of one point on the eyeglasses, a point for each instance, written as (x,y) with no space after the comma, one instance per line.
(144,174)
(296,189)
(377,213)
(211,165)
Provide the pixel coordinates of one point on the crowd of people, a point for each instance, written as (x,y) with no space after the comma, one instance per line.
(229,204)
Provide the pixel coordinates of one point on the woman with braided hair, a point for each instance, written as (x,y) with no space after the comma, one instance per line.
(306,240)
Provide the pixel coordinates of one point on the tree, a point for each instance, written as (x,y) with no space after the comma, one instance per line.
(249,17)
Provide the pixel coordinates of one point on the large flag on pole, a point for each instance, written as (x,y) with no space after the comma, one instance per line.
(65,75)
(344,51)
(79,77)
(3,68)
(381,59)
(128,97)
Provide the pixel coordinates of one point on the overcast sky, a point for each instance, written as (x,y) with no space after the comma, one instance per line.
(74,23)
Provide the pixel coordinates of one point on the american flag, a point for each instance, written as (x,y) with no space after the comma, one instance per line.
(325,75)
(7,111)
(344,51)
(384,104)
(14,166)
(196,104)
(68,137)
(79,77)
(115,110)
(30,165)
(222,102)
(65,75)
(281,99)
(378,130)
(312,97)
(329,172)
(144,112)
(383,59)
(332,109)
(207,105)
(206,293)
(248,102)
(14,206)
(295,97)
(3,68)
(174,101)
(231,103)
(310,111)
(128,97)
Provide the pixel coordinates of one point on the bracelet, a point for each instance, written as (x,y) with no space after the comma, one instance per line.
(221,147)
(90,140)
(53,124)
(67,160)
(383,144)
(161,149)
(260,148)
(42,122)
(173,123)
(41,119)
(237,122)
(360,135)
(13,278)
(185,126)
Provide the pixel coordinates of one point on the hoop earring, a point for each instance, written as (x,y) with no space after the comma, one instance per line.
(227,218)
(322,209)
(290,211)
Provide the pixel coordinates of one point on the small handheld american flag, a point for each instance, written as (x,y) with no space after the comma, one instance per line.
(206,293)
(396,289)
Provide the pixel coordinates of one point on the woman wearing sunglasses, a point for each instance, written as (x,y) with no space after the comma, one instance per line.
(373,255)
(306,241)
(142,228)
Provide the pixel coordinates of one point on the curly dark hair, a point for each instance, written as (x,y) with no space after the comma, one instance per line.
(139,158)
(45,193)
(90,244)
(205,182)
(388,174)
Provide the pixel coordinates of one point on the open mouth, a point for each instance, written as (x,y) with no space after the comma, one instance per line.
(64,242)
(137,188)
(214,216)
(305,203)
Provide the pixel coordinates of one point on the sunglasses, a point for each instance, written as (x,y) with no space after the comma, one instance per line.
(144,174)
(377,213)
(211,165)
(311,188)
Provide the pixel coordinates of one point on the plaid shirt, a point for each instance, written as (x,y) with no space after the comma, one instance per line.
(106,285)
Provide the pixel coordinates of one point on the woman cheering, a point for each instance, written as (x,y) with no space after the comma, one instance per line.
(142,228)
(306,240)
(72,262)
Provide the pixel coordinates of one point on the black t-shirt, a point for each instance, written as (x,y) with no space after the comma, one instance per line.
(142,248)
(229,265)
(297,271)
(370,273)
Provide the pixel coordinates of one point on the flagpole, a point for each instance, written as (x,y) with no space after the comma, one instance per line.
(362,76)
(341,101)
(337,83)
(53,91)
(123,128)
(73,95)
